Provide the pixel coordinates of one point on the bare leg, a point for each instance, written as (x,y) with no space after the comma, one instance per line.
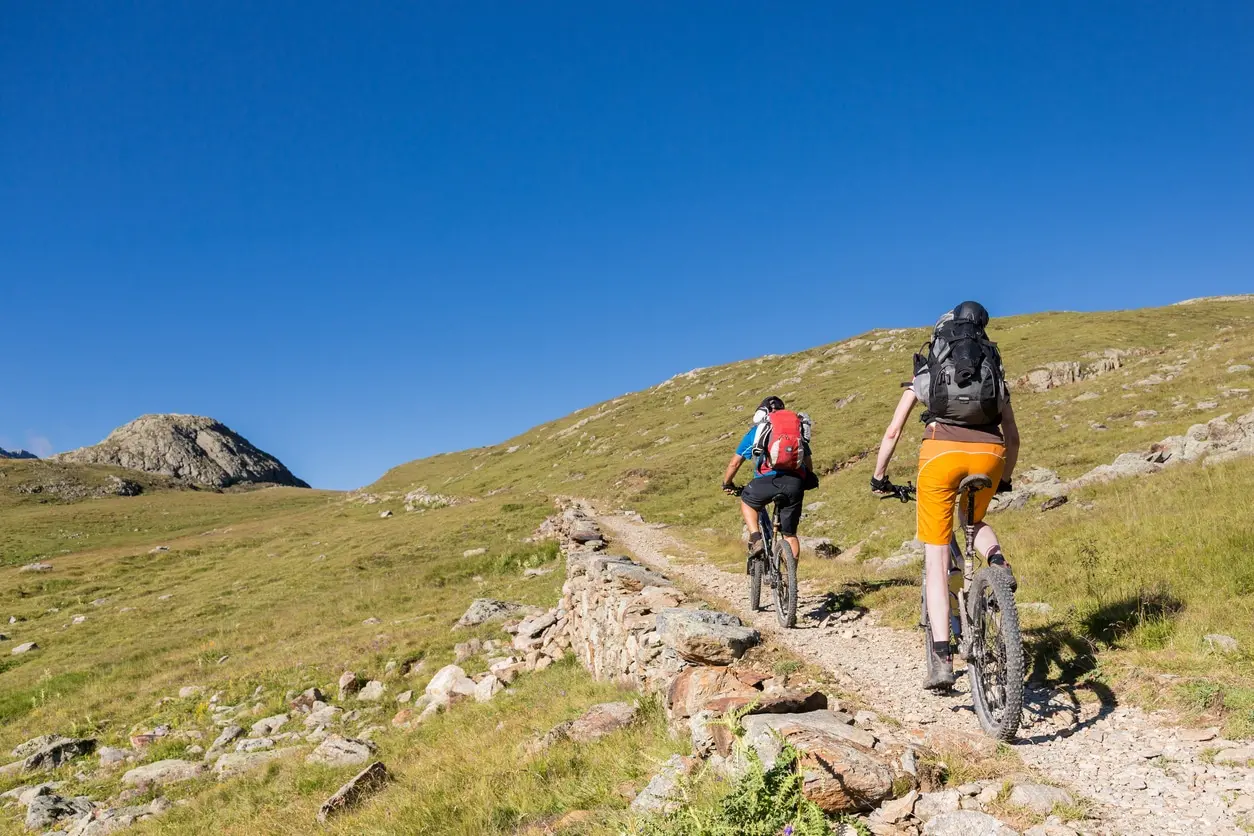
(793,541)
(986,540)
(937,563)
(751,518)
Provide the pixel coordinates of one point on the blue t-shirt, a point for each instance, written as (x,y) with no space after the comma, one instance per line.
(745,448)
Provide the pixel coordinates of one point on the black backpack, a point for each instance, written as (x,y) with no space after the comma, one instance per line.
(960,379)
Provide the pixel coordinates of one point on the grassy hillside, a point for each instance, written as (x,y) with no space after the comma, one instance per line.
(263,593)
(1135,582)
(257,594)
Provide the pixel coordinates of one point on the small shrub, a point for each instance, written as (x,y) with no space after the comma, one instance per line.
(1201,694)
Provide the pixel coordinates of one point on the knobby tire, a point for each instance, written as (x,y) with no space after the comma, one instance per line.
(996,664)
(786,588)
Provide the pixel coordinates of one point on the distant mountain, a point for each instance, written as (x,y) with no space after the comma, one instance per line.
(16,454)
(191,448)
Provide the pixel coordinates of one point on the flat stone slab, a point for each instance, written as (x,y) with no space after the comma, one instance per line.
(966,823)
(238,763)
(369,781)
(704,636)
(165,772)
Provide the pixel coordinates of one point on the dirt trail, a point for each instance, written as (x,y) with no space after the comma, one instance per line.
(1145,777)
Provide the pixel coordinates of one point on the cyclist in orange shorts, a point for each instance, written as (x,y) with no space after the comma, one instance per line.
(969,428)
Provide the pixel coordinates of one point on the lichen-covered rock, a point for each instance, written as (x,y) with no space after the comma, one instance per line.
(165,772)
(704,636)
(238,763)
(342,751)
(840,770)
(966,823)
(370,780)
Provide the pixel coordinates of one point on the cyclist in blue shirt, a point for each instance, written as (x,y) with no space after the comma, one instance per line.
(787,488)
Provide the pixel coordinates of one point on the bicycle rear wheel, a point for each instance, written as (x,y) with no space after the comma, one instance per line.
(786,586)
(996,663)
(756,566)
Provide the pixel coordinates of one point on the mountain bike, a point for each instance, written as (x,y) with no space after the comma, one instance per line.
(984,621)
(777,565)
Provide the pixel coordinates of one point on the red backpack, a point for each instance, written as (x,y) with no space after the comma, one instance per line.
(784,443)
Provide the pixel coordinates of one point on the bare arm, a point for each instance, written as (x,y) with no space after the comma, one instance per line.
(1011,430)
(889,443)
(732,467)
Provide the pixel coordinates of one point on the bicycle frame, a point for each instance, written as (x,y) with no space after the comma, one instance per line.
(968,572)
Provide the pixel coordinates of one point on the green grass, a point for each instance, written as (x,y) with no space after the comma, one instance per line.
(278,581)
(1135,582)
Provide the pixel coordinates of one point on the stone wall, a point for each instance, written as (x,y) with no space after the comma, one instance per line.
(625,622)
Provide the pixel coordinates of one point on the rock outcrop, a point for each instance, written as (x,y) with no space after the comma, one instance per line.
(190,448)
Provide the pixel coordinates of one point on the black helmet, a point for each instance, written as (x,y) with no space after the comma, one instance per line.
(771,404)
(972,312)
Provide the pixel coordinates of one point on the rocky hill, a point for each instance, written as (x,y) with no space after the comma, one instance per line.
(190,448)
(16,454)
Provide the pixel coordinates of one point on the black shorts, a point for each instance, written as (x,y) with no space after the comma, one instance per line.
(786,490)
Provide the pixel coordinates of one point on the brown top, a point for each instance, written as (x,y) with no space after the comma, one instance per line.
(987,434)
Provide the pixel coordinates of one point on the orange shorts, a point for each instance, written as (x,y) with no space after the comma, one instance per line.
(942,466)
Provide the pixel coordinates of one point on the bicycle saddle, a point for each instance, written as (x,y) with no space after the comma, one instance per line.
(975,482)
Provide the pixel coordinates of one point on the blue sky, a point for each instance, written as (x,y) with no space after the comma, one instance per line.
(364,233)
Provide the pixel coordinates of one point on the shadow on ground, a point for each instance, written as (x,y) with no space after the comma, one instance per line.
(1061,662)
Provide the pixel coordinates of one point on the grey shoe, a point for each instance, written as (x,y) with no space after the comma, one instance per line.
(757,550)
(940,668)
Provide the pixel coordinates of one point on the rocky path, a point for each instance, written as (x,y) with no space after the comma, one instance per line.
(1145,777)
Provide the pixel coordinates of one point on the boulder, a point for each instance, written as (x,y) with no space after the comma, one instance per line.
(448,681)
(349,684)
(584,531)
(1220,642)
(695,686)
(269,725)
(46,809)
(25,647)
(483,610)
(56,752)
(532,627)
(465,650)
(237,763)
(304,702)
(342,751)
(228,736)
(595,723)
(704,636)
(112,756)
(164,772)
(1241,755)
(933,804)
(487,688)
(662,794)
(254,744)
(776,702)
(372,691)
(323,715)
(370,780)
(897,811)
(966,823)
(839,773)
(1039,798)
(600,720)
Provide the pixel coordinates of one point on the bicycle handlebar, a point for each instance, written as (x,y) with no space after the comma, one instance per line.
(903,493)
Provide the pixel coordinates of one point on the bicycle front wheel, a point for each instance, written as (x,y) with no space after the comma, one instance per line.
(996,663)
(786,586)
